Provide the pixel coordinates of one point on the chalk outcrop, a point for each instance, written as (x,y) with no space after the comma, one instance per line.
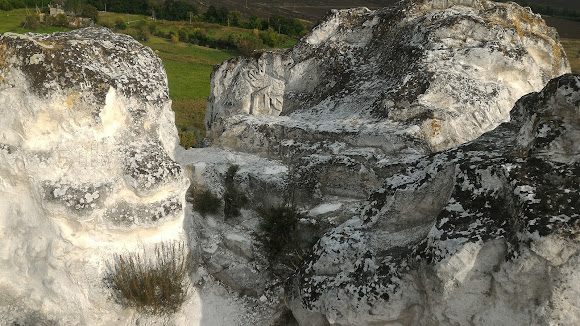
(420,77)
(393,126)
(387,129)
(87,140)
(483,234)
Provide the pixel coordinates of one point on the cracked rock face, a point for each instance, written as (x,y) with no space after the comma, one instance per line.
(417,78)
(87,140)
(483,234)
(446,238)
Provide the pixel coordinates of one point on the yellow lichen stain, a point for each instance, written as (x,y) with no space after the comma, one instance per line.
(69,102)
(527,24)
(435,127)
(557,51)
(2,53)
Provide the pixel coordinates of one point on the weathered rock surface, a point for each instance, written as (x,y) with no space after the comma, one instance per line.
(420,77)
(363,96)
(344,126)
(483,234)
(87,141)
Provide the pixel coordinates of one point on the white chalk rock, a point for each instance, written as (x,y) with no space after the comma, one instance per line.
(483,234)
(421,77)
(87,141)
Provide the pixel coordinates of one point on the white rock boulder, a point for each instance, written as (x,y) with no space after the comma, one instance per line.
(87,141)
(416,78)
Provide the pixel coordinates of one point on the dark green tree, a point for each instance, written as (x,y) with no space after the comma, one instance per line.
(90,11)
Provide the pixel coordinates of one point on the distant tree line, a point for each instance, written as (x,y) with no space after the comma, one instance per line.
(243,41)
(15,4)
(548,10)
(174,10)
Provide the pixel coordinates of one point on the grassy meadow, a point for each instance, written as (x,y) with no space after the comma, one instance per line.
(10,21)
(188,70)
(572,48)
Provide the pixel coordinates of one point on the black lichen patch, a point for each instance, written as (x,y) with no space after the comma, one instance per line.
(551,202)
(127,215)
(497,194)
(147,166)
(79,199)
(7,148)
(87,61)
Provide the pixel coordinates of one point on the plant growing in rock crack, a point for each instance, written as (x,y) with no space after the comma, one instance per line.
(153,285)
(284,240)
(205,202)
(234,199)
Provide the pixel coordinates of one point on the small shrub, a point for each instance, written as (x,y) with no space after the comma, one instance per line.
(120,24)
(152,28)
(234,199)
(205,202)
(277,229)
(106,23)
(174,37)
(249,44)
(285,241)
(141,33)
(61,20)
(182,33)
(31,22)
(157,286)
(90,12)
(187,139)
(6,5)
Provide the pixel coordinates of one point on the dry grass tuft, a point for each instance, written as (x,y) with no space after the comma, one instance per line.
(157,286)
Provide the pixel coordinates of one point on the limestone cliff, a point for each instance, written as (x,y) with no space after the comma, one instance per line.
(387,129)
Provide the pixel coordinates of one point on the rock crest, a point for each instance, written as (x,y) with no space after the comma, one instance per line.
(395,124)
(420,77)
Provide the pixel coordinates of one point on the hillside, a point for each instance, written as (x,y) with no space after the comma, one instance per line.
(315,10)
(308,10)
(557,4)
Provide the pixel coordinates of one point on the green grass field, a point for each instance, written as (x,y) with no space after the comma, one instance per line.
(572,48)
(188,70)
(10,21)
